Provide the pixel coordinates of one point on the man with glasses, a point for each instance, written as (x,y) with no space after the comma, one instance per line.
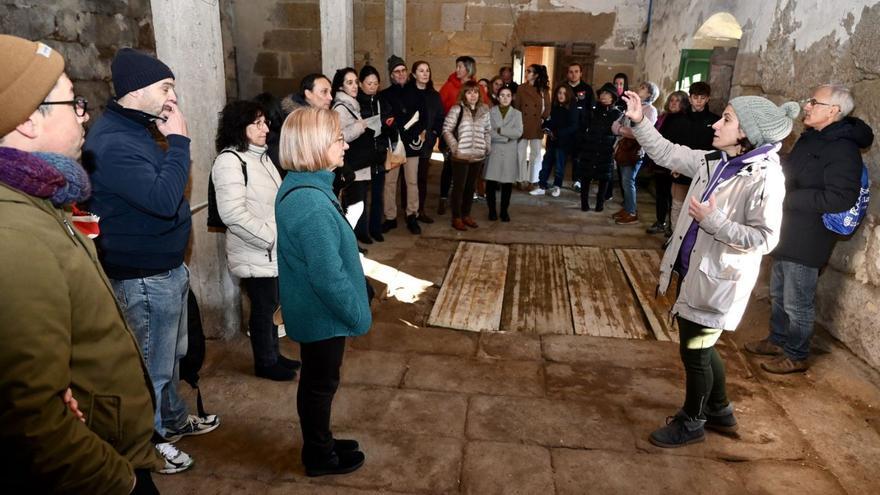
(822,175)
(75,398)
(145,227)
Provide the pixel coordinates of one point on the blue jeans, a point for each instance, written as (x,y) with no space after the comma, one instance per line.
(793,310)
(553,156)
(155,309)
(628,177)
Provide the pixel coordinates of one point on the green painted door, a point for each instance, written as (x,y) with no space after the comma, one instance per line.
(694,67)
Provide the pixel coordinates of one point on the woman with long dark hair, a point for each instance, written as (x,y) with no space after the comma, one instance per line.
(246,181)
(421,92)
(560,129)
(533,100)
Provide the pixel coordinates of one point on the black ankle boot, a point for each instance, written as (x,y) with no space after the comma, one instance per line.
(493,215)
(292,364)
(340,462)
(343,445)
(277,372)
(680,430)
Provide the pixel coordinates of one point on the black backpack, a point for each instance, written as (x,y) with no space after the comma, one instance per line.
(191,363)
(214,220)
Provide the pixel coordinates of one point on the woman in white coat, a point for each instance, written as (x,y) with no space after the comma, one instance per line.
(502,168)
(246,182)
(733,219)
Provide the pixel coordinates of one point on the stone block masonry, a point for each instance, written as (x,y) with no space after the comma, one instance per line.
(87,33)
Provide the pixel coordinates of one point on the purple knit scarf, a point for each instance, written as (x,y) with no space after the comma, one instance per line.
(44,175)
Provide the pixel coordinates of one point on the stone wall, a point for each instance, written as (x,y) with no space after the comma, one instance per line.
(86,32)
(277,42)
(787,48)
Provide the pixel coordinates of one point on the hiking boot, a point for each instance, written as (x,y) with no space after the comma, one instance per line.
(277,372)
(656,228)
(340,462)
(176,461)
(457,224)
(627,219)
(538,191)
(763,347)
(555,192)
(722,420)
(784,365)
(424,218)
(470,222)
(441,206)
(412,224)
(388,225)
(195,425)
(289,363)
(680,430)
(619,213)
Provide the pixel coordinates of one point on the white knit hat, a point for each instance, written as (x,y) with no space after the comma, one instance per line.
(763,121)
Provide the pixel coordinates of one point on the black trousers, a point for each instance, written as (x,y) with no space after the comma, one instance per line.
(705,379)
(601,194)
(318,381)
(464,176)
(424,166)
(506,189)
(377,202)
(445,176)
(144,483)
(263,293)
(663,184)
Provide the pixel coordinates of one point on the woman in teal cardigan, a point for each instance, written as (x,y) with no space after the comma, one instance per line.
(323,294)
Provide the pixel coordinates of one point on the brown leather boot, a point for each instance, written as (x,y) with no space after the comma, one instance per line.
(469,222)
(457,224)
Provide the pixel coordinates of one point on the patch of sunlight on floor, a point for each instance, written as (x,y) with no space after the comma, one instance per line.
(401,286)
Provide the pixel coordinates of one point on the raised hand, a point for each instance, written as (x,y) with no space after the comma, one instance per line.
(633,106)
(174,122)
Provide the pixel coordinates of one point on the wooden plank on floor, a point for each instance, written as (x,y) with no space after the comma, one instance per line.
(602,303)
(536,295)
(642,268)
(473,289)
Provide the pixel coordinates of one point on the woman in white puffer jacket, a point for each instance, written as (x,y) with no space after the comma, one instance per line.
(246,182)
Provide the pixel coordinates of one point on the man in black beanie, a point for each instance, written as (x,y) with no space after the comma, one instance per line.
(138,192)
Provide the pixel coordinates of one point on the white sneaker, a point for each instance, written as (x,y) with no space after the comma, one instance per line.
(176,461)
(195,425)
(577,186)
(554,192)
(537,192)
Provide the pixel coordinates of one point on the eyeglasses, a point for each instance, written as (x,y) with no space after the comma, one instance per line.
(813,102)
(80,105)
(260,122)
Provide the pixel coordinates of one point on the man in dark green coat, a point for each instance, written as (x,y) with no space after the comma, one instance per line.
(76,408)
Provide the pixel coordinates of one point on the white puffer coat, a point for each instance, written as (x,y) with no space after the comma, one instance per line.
(248,211)
(473,141)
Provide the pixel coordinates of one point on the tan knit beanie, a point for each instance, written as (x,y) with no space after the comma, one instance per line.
(29,72)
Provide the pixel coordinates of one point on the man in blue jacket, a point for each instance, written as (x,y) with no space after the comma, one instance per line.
(822,175)
(138,192)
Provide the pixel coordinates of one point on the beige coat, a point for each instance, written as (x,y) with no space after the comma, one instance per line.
(727,254)
(473,142)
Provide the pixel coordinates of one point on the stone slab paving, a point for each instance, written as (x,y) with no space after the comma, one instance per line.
(506,469)
(475,376)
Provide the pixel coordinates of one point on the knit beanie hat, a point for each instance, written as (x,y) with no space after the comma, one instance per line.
(393,62)
(133,70)
(762,121)
(30,71)
(607,88)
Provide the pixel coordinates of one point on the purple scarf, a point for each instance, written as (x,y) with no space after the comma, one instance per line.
(50,176)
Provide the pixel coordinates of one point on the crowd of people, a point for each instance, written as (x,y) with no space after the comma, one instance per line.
(89,399)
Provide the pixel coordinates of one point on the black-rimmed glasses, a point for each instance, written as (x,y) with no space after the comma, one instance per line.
(80,105)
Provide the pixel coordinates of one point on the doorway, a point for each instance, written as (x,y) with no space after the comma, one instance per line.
(556,57)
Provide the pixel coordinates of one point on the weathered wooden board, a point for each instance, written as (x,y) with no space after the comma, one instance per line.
(642,267)
(536,295)
(602,303)
(473,289)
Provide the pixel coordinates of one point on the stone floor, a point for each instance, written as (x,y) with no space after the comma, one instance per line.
(446,412)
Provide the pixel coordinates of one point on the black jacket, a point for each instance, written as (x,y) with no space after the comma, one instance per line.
(431,116)
(699,135)
(562,126)
(597,141)
(822,175)
(404,102)
(676,127)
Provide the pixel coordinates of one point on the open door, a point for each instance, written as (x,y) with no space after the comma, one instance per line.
(569,53)
(694,67)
